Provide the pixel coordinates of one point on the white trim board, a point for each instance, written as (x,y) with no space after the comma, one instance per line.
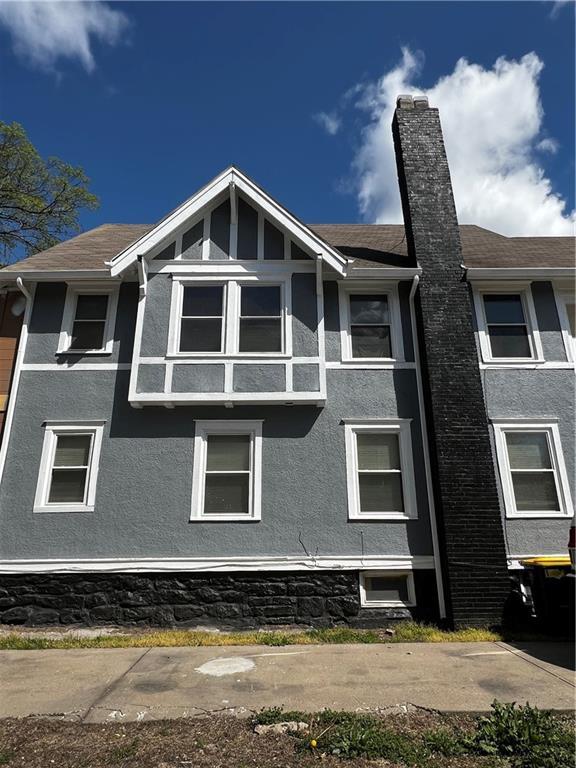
(216,564)
(219,185)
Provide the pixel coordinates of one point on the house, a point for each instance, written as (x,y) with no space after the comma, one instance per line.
(235,418)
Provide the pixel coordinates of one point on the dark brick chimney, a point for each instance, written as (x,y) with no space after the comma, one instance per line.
(466,495)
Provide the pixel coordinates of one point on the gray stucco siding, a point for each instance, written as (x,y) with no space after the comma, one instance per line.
(46,324)
(548,322)
(306,377)
(304,316)
(144,483)
(151,378)
(526,394)
(198,378)
(156,316)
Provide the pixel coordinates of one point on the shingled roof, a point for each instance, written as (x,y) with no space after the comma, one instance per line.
(369,245)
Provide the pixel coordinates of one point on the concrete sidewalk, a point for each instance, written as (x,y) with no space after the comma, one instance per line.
(137,684)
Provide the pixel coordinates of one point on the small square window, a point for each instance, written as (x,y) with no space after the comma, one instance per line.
(227,471)
(507,326)
(370,325)
(381,589)
(68,468)
(88,320)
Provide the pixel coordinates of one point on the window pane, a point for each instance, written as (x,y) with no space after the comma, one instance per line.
(72,450)
(91,307)
(201,335)
(260,301)
(88,335)
(228,452)
(260,335)
(509,341)
(67,486)
(226,494)
(528,450)
(535,491)
(202,301)
(386,588)
(504,308)
(381,493)
(371,341)
(369,309)
(378,451)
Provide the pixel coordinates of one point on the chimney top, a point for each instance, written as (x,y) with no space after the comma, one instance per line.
(407,101)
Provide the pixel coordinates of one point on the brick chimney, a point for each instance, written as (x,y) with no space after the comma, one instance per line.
(466,495)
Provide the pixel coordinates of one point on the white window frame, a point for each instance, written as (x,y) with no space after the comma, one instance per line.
(239,427)
(75,290)
(231,317)
(524,291)
(401,428)
(562,295)
(365,602)
(345,290)
(52,430)
(548,426)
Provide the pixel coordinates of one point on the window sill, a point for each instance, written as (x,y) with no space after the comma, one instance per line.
(223,356)
(51,509)
(539,515)
(380,517)
(386,604)
(514,360)
(225,519)
(81,352)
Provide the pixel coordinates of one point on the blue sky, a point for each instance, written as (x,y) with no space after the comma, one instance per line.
(154,99)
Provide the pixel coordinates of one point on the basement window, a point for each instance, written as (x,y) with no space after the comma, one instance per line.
(532,470)
(227,471)
(387,589)
(88,321)
(69,467)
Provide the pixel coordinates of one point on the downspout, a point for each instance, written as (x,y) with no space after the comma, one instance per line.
(143,287)
(426,451)
(7,426)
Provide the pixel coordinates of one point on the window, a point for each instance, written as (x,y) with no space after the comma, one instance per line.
(227,470)
(387,589)
(380,470)
(202,323)
(88,322)
(232,318)
(532,469)
(507,326)
(260,319)
(69,467)
(371,327)
(566,304)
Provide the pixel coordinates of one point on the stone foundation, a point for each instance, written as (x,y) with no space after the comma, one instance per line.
(232,600)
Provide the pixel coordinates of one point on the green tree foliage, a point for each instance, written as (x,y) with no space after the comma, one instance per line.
(39,199)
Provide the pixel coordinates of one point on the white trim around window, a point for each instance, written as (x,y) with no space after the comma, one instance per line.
(400,430)
(232,288)
(204,430)
(553,466)
(374,598)
(390,291)
(89,467)
(523,290)
(565,296)
(74,291)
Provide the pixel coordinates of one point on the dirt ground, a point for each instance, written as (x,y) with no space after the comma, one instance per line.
(211,742)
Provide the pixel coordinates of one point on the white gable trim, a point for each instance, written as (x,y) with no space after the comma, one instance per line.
(203,198)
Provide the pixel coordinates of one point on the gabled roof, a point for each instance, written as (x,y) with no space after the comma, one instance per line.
(229,180)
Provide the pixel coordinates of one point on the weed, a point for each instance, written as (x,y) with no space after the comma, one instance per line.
(125,752)
(442,741)
(5,757)
(528,736)
(271,715)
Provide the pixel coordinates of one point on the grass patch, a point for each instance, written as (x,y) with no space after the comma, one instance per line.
(512,736)
(405,632)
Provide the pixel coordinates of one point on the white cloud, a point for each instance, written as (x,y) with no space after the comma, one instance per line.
(548,145)
(491,120)
(45,30)
(329,121)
